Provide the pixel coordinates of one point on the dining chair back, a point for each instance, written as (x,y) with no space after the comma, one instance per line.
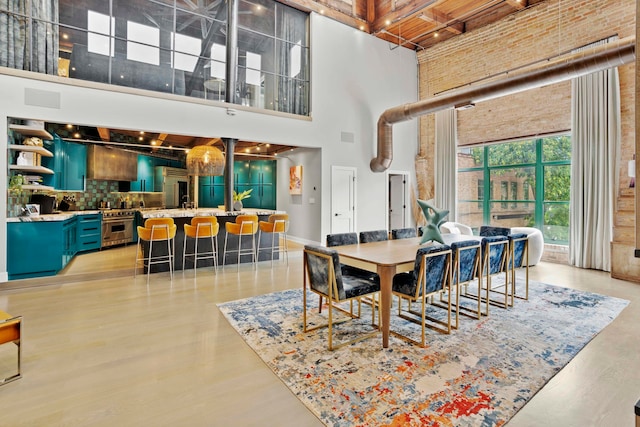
(403,233)
(374,236)
(340,239)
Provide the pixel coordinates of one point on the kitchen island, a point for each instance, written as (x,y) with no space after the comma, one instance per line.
(184,216)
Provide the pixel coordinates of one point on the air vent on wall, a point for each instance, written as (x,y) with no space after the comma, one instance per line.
(347,137)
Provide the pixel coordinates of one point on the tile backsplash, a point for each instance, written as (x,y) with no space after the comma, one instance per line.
(96,191)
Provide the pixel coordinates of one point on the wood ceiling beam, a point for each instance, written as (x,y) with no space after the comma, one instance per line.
(410,8)
(160,139)
(442,21)
(518,4)
(104,134)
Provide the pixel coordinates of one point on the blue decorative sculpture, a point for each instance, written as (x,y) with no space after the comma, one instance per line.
(434,217)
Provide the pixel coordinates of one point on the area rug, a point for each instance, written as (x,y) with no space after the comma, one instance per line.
(479,375)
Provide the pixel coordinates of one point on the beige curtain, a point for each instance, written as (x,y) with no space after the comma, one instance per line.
(596,134)
(445,168)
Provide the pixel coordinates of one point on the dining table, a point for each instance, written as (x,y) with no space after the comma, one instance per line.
(388,258)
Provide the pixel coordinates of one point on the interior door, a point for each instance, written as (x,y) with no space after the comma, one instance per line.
(343,199)
(397,201)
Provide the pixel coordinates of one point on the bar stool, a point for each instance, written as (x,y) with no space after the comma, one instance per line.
(156,230)
(201,227)
(245,225)
(277,225)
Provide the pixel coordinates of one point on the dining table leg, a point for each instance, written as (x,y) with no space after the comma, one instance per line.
(386,274)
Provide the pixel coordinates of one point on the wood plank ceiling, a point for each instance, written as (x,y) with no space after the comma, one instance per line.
(415,24)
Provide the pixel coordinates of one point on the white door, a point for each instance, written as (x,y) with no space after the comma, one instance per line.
(343,199)
(397,201)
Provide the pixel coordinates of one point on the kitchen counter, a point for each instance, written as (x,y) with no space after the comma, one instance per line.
(61,216)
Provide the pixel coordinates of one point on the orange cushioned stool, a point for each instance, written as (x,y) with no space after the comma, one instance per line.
(201,227)
(156,230)
(277,225)
(245,226)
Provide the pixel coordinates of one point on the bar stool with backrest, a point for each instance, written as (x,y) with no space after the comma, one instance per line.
(201,227)
(245,226)
(277,225)
(156,230)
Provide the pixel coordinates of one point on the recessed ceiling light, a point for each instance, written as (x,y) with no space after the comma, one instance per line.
(76,135)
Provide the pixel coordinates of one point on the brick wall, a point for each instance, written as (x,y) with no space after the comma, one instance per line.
(534,34)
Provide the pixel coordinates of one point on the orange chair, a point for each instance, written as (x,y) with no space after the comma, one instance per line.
(10,331)
(201,227)
(278,225)
(245,226)
(156,230)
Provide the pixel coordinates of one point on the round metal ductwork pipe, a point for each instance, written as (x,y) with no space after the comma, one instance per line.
(565,68)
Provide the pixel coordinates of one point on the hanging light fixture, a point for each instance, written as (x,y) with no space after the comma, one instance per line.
(205,160)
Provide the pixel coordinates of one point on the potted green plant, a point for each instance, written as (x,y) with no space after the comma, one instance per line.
(239,197)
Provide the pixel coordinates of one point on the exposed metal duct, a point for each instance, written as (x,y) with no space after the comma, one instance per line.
(567,67)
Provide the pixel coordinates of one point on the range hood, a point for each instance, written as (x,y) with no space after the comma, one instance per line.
(111,164)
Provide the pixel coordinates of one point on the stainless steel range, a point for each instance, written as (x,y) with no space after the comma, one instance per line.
(117,226)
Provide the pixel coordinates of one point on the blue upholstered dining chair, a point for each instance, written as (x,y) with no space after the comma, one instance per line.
(490,230)
(431,276)
(467,255)
(374,236)
(340,239)
(495,255)
(325,278)
(403,233)
(518,258)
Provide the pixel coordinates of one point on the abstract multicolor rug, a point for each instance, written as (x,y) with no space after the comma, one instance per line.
(480,375)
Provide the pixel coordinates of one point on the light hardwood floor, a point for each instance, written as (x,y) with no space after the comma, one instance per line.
(116,352)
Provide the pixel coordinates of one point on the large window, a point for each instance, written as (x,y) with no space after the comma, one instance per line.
(534,181)
(175,46)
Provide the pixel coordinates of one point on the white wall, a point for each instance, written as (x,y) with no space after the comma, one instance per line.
(355,77)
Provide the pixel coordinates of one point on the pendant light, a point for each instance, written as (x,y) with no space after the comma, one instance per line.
(205,160)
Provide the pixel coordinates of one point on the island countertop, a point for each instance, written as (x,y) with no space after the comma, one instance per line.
(189,213)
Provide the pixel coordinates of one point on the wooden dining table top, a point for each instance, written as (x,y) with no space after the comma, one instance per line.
(394,252)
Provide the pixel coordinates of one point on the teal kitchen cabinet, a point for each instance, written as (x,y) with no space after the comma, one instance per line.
(39,248)
(262,179)
(75,168)
(69,165)
(89,232)
(146,165)
(69,241)
(241,175)
(210,191)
